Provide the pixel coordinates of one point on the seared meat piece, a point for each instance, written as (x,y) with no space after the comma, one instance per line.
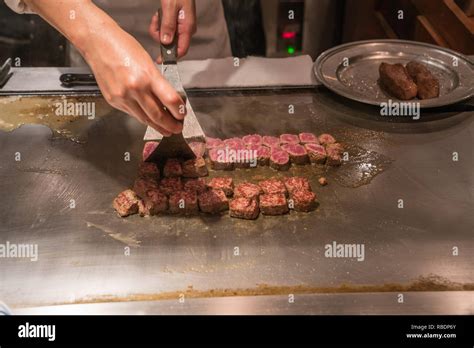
(172,168)
(270,141)
(148,170)
(304,200)
(297,183)
(273,204)
(225,184)
(195,185)
(247,190)
(395,79)
(289,139)
(279,160)
(428,85)
(213,201)
(127,203)
(142,185)
(184,202)
(154,202)
(272,186)
(195,168)
(253,139)
(297,153)
(308,138)
(170,185)
(244,208)
(317,153)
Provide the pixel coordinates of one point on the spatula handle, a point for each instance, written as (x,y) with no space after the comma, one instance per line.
(169,53)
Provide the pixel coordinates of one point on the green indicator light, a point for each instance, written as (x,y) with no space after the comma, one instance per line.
(290,50)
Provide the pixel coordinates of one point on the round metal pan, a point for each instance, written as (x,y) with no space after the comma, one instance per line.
(352,70)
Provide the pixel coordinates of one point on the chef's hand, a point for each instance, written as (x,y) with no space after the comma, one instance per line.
(179,18)
(125,72)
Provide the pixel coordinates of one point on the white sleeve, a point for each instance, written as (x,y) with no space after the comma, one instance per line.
(18,6)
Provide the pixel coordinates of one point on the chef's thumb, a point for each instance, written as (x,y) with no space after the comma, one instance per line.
(168,22)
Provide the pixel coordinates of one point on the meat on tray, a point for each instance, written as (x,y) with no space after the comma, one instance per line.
(212,143)
(289,139)
(272,186)
(253,139)
(297,183)
(247,190)
(334,152)
(213,201)
(170,185)
(198,148)
(148,149)
(244,208)
(195,168)
(273,204)
(224,184)
(142,185)
(195,185)
(325,139)
(280,160)
(183,202)
(172,168)
(263,156)
(303,200)
(127,203)
(317,153)
(219,159)
(428,85)
(308,138)
(297,153)
(270,141)
(154,202)
(394,79)
(148,170)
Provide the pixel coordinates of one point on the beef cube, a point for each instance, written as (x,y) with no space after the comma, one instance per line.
(172,168)
(253,139)
(213,201)
(244,208)
(297,183)
(297,153)
(304,200)
(334,152)
(273,186)
(183,202)
(142,185)
(308,138)
(198,148)
(213,143)
(395,80)
(170,185)
(224,184)
(154,202)
(148,170)
(247,190)
(428,85)
(263,155)
(219,159)
(325,139)
(195,168)
(149,148)
(289,139)
(317,153)
(126,203)
(195,185)
(270,141)
(280,160)
(273,204)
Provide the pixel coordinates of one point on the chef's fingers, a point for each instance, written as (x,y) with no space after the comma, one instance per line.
(137,111)
(169,97)
(186,26)
(184,40)
(153,29)
(155,111)
(169,21)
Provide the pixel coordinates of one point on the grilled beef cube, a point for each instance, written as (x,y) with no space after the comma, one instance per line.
(395,80)
(148,170)
(273,186)
(247,190)
(127,203)
(213,201)
(224,184)
(273,204)
(142,185)
(297,183)
(334,152)
(244,208)
(195,185)
(183,202)
(195,168)
(154,202)
(304,200)
(170,185)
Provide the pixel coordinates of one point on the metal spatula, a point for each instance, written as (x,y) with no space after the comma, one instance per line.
(175,145)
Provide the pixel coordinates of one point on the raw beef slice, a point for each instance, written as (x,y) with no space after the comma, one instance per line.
(224,184)
(273,204)
(247,190)
(304,200)
(253,139)
(234,143)
(297,153)
(289,139)
(297,183)
(244,208)
(172,168)
(270,141)
(325,139)
(148,149)
(212,143)
(170,185)
(183,202)
(154,202)
(280,160)
(263,156)
(195,168)
(213,201)
(126,203)
(273,186)
(317,153)
(308,138)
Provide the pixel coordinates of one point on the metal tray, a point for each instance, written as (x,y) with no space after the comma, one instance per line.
(358,80)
